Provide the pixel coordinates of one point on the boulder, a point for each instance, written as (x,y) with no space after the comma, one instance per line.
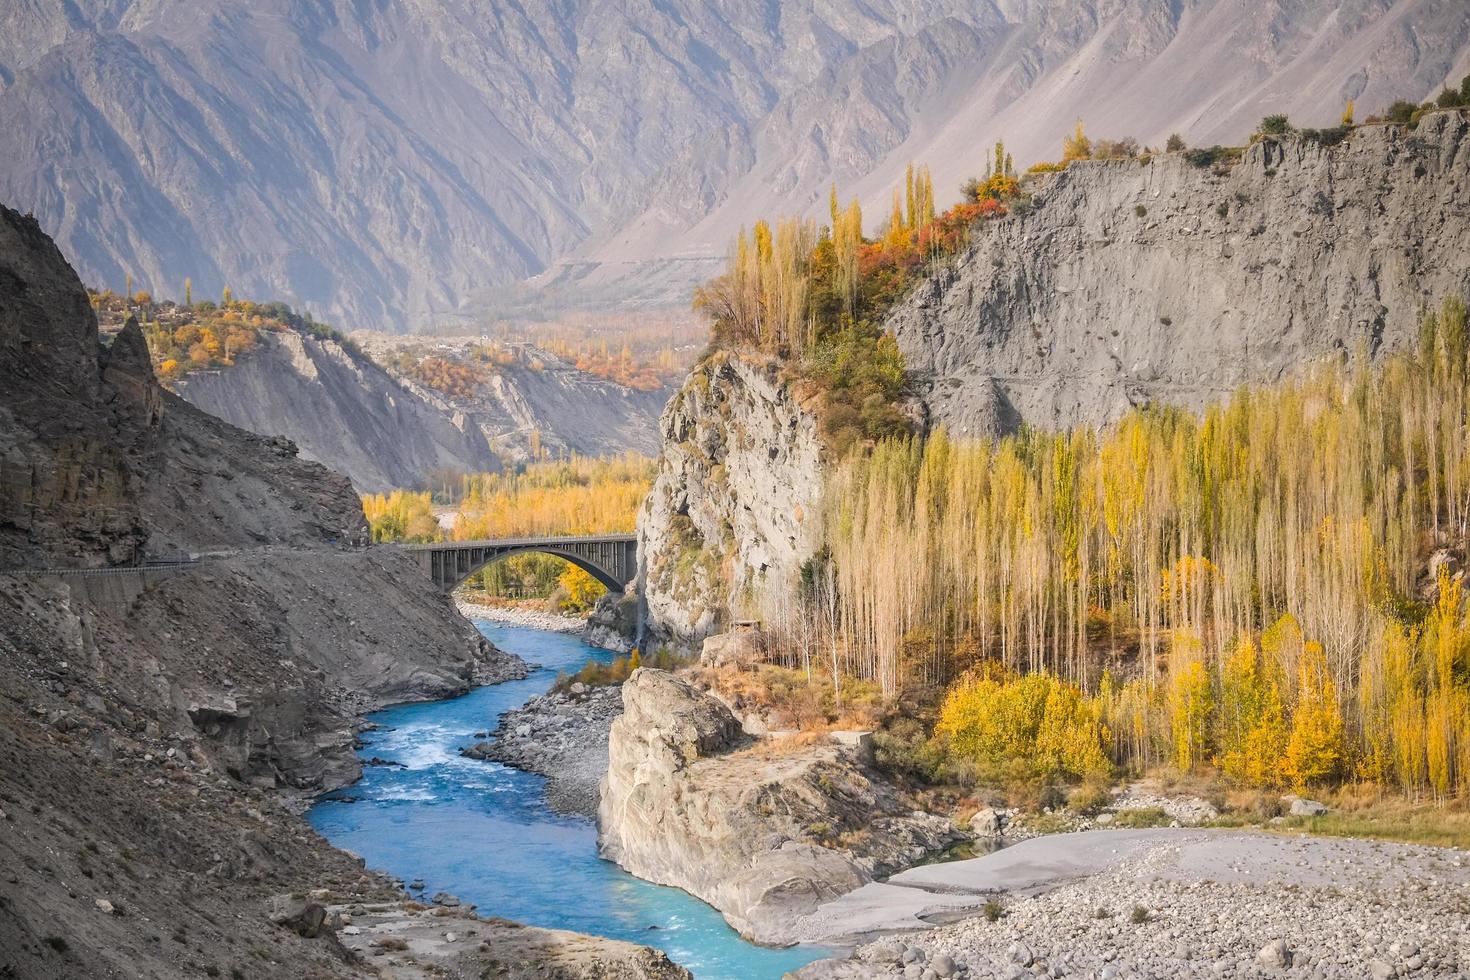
(1275,955)
(1305,808)
(860,743)
(739,648)
(751,833)
(308,919)
(987,823)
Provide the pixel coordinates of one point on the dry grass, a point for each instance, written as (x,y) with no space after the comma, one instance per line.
(781,746)
(1358,811)
(787,699)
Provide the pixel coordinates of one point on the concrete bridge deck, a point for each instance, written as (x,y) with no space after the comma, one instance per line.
(612,559)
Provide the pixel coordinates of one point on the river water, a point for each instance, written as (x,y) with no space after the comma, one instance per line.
(483,831)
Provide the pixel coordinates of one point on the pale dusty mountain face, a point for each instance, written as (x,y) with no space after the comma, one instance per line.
(395,165)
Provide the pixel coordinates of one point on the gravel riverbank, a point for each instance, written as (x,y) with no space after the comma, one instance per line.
(562,736)
(1167,904)
(535,619)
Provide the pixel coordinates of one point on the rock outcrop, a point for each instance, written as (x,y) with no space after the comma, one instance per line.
(563,736)
(343,410)
(613,622)
(762,832)
(735,509)
(449,941)
(1167,282)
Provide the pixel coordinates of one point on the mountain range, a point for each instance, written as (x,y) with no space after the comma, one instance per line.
(401,165)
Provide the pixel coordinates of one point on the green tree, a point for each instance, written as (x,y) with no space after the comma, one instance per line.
(1275,125)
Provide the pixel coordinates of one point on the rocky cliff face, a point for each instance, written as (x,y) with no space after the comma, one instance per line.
(735,509)
(159,731)
(343,410)
(539,403)
(1126,284)
(764,835)
(275,147)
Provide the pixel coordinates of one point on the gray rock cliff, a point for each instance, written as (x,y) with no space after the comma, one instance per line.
(736,506)
(1126,284)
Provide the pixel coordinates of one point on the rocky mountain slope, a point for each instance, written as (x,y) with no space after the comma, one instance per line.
(1121,284)
(384,430)
(160,728)
(1125,284)
(392,165)
(343,410)
(538,403)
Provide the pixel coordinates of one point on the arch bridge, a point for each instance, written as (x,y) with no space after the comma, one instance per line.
(612,559)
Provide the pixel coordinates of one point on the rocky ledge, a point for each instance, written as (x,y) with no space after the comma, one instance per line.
(1165,903)
(763,830)
(563,736)
(411,940)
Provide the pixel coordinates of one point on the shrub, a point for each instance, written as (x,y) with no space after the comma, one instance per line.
(1175,143)
(1448,98)
(993,910)
(1209,156)
(1401,112)
(57,943)
(1138,916)
(595,673)
(1327,137)
(904,748)
(1275,125)
(1090,797)
(1036,723)
(1141,818)
(1140,210)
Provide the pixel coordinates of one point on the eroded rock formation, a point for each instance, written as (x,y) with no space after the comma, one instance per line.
(160,729)
(736,507)
(761,831)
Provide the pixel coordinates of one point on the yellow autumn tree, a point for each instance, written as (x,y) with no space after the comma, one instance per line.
(1076,146)
(1191,702)
(1314,750)
(1034,723)
(1252,717)
(582,590)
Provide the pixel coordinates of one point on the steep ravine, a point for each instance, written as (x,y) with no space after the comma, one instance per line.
(158,733)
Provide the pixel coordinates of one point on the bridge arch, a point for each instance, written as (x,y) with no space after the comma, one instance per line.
(611,559)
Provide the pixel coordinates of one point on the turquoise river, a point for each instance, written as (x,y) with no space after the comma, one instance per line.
(484,832)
